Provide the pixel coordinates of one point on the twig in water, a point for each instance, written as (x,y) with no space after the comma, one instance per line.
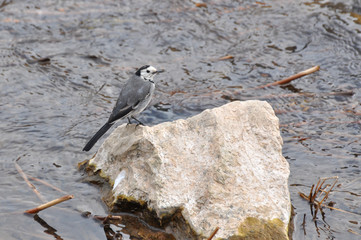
(213,233)
(47,184)
(293,77)
(225,58)
(108,218)
(340,210)
(328,192)
(304,224)
(317,192)
(49,204)
(201,5)
(21,172)
(354,232)
(100,88)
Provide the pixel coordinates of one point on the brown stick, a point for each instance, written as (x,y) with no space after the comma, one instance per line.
(213,233)
(225,58)
(293,77)
(340,210)
(106,218)
(328,192)
(311,193)
(302,195)
(47,184)
(354,232)
(21,172)
(49,204)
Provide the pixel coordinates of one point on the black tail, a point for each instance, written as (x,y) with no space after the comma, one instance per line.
(96,137)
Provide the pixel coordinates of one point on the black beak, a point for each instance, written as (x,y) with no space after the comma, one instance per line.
(159,71)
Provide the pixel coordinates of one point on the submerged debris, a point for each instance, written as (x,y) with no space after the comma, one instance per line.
(319,193)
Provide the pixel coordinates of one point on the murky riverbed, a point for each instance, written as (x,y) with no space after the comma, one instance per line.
(62,63)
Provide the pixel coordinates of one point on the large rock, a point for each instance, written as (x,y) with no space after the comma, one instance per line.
(222,168)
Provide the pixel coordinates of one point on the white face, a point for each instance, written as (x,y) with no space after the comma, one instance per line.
(148,73)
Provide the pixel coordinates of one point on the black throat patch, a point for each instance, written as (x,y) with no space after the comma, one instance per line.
(140,69)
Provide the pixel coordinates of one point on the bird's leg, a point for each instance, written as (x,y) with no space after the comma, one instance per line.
(129,122)
(139,122)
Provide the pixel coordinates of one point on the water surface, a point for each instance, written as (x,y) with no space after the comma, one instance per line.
(62,64)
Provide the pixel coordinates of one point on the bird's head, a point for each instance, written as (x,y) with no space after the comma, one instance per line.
(147,72)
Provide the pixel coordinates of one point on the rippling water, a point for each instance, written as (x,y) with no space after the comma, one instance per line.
(62,63)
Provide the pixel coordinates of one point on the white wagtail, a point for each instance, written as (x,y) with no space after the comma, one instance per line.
(134,97)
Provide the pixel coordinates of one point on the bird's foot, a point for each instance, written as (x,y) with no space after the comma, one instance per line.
(138,122)
(129,122)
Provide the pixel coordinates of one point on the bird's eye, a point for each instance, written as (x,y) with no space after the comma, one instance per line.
(148,71)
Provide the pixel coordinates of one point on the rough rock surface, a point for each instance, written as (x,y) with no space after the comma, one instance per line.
(217,168)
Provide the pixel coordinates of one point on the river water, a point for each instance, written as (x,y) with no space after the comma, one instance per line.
(62,64)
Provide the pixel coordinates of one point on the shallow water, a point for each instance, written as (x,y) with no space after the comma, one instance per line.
(62,63)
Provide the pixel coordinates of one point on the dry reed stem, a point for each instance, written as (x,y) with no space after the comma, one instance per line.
(49,204)
(316,192)
(311,192)
(213,233)
(201,5)
(228,57)
(317,189)
(293,77)
(302,195)
(354,232)
(328,192)
(107,218)
(340,210)
(47,184)
(24,176)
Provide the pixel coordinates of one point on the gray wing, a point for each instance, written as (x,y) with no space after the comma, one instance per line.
(132,93)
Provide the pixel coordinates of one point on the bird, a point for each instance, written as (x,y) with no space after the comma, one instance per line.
(134,97)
